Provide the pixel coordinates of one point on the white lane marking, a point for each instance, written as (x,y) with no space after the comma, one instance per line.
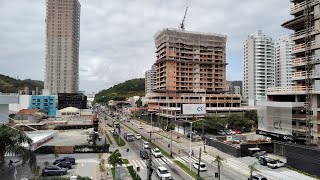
(134,163)
(167,159)
(156,160)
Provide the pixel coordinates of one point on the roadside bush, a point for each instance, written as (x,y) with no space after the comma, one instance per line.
(45,150)
(133,173)
(91,148)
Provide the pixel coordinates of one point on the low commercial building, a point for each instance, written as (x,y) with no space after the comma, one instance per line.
(76,100)
(5,100)
(29,116)
(45,103)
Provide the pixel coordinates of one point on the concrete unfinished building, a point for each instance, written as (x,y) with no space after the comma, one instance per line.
(190,69)
(304,96)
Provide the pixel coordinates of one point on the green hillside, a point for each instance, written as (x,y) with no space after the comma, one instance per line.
(120,92)
(12,85)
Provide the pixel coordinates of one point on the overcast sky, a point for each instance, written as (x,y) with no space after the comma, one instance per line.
(116,41)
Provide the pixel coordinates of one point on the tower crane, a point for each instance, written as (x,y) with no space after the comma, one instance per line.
(184,17)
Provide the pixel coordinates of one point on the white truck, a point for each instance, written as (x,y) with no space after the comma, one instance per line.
(275,164)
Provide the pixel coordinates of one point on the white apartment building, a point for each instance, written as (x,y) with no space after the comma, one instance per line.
(258,67)
(283,62)
(236,90)
(150,80)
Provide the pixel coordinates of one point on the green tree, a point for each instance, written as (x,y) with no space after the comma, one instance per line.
(139,102)
(115,158)
(12,141)
(252,168)
(219,161)
(253,116)
(236,120)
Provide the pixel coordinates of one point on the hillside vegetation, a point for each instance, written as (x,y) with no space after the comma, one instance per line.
(12,85)
(122,91)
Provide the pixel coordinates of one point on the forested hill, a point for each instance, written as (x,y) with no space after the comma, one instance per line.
(12,85)
(120,92)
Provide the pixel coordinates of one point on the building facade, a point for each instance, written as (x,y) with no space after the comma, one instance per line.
(45,103)
(304,95)
(150,80)
(76,100)
(283,62)
(190,69)
(62,46)
(258,67)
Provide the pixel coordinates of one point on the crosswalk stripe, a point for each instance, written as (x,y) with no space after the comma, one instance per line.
(186,159)
(167,160)
(134,163)
(155,159)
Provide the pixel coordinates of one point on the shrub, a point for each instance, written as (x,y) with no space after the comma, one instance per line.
(133,173)
(45,150)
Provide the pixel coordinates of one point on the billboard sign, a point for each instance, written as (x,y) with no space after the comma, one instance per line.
(194,109)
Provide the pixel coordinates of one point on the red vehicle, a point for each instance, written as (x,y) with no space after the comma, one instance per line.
(237,131)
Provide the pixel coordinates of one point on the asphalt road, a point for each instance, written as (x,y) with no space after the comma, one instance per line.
(136,146)
(180,152)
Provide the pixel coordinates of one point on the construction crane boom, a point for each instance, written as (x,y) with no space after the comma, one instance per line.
(184,17)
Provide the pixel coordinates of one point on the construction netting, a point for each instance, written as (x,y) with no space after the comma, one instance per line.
(275,117)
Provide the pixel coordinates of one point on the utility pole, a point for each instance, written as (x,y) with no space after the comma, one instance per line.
(190,145)
(171,143)
(150,170)
(199,163)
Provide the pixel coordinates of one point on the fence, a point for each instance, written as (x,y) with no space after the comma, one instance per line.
(229,149)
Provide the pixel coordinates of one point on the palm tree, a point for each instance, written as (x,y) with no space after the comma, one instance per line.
(219,161)
(252,168)
(115,158)
(12,141)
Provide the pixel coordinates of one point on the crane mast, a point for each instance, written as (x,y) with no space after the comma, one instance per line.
(184,17)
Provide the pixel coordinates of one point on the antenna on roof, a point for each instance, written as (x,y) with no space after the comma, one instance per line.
(184,17)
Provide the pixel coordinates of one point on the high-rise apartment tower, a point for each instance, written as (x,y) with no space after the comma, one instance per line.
(62,46)
(258,67)
(283,62)
(150,80)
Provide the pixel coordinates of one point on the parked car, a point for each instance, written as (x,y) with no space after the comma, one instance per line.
(156,152)
(163,173)
(230,132)
(64,164)
(138,136)
(263,160)
(146,145)
(144,154)
(258,177)
(72,160)
(275,164)
(140,127)
(221,132)
(237,131)
(202,166)
(53,170)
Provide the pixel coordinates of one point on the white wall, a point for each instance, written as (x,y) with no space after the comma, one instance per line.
(23,103)
(4,113)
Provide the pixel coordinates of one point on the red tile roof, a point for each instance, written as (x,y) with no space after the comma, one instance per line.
(28,111)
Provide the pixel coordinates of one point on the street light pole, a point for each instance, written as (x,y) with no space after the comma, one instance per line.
(190,146)
(171,143)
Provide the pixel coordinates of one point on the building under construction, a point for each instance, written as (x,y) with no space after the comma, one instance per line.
(190,69)
(304,96)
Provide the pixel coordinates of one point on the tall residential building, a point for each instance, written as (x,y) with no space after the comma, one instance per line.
(62,46)
(150,80)
(190,69)
(258,67)
(283,62)
(302,100)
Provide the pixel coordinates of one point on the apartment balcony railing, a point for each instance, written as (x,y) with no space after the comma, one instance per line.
(194,95)
(290,90)
(299,128)
(302,46)
(192,101)
(302,32)
(303,61)
(302,75)
(301,6)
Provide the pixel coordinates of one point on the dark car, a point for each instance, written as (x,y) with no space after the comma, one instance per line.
(189,134)
(64,164)
(144,154)
(53,170)
(72,160)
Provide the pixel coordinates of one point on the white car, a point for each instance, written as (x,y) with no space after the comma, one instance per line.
(163,173)
(202,166)
(275,164)
(146,145)
(156,152)
(140,127)
(138,136)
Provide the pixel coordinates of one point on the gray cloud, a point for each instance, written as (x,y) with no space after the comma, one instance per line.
(116,42)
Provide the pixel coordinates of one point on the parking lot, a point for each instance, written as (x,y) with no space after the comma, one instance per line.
(70,137)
